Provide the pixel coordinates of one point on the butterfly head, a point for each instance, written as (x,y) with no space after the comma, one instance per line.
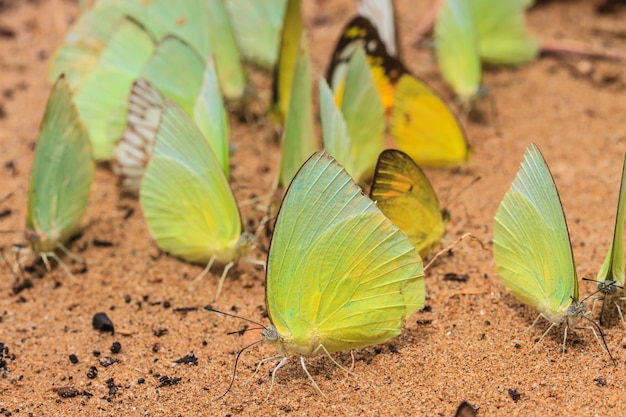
(575,312)
(271,335)
(607,287)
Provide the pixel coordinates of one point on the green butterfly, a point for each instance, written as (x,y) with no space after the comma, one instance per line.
(470,31)
(611,275)
(61,177)
(532,249)
(257,26)
(186,200)
(291,46)
(204,25)
(175,71)
(102,99)
(357,146)
(340,275)
(299,141)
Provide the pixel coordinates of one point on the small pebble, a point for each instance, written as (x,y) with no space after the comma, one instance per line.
(73,359)
(103,323)
(141,380)
(116,347)
(92,372)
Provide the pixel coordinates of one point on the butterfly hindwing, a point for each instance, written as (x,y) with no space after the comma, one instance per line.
(404,194)
(188,205)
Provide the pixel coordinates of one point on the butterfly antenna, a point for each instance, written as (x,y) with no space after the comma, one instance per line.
(211,309)
(602,336)
(451,199)
(232,379)
(449,247)
(243,330)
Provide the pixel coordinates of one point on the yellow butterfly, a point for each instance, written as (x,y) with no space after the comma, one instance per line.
(421,124)
(404,194)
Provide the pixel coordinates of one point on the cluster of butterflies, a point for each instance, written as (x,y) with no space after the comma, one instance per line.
(143,86)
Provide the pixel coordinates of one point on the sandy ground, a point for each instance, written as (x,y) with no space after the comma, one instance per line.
(467,345)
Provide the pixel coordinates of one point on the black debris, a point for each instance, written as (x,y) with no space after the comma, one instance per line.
(116,347)
(108,361)
(165,381)
(103,323)
(68,392)
(601,382)
(92,372)
(514,394)
(185,309)
(73,359)
(453,276)
(190,359)
(141,380)
(99,243)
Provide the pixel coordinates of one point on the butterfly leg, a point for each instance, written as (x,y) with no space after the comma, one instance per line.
(532,325)
(206,270)
(564,339)
(69,254)
(220,283)
(276,368)
(323,348)
(619,310)
(258,367)
(310,377)
(545,333)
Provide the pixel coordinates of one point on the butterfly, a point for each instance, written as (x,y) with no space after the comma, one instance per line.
(102,99)
(291,42)
(185,197)
(257,26)
(175,71)
(404,194)
(353,135)
(340,275)
(469,32)
(61,177)
(532,250)
(299,141)
(420,122)
(611,275)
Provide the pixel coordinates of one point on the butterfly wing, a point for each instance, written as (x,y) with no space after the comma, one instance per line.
(337,141)
(613,266)
(290,45)
(363,112)
(404,194)
(502,36)
(423,126)
(62,172)
(79,53)
(531,244)
(456,48)
(257,26)
(299,138)
(340,274)
(134,149)
(188,205)
(102,99)
(381,14)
